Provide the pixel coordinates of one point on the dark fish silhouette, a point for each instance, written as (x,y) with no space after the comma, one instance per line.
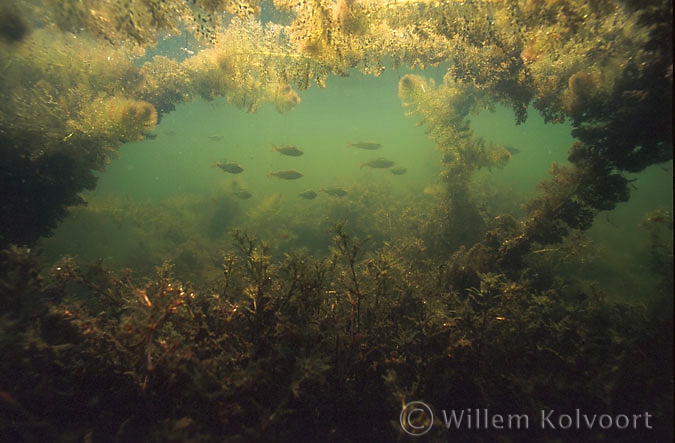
(289,174)
(512,150)
(369,146)
(378,163)
(290,150)
(399,170)
(308,195)
(243,194)
(231,167)
(335,192)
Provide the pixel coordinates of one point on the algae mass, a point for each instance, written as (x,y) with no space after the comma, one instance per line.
(284,221)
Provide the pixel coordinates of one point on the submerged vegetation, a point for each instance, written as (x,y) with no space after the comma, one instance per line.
(323,323)
(319,347)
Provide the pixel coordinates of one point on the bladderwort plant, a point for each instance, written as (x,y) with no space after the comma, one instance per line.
(257,262)
(350,249)
(483,302)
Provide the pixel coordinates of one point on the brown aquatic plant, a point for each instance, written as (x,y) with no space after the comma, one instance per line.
(249,358)
(579,93)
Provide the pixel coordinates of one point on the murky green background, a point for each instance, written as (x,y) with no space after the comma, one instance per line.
(177,165)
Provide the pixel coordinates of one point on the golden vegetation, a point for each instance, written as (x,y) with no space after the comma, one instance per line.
(350,334)
(117,118)
(73,87)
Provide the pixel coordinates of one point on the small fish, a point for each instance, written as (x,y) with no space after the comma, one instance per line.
(169,133)
(216,137)
(289,174)
(399,170)
(379,163)
(231,167)
(512,150)
(335,192)
(308,195)
(289,150)
(369,146)
(243,194)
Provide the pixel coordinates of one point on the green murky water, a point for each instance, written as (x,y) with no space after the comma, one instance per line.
(173,175)
(185,303)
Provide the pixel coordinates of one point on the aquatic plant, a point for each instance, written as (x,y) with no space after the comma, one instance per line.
(74,93)
(659,227)
(349,249)
(445,110)
(275,343)
(275,339)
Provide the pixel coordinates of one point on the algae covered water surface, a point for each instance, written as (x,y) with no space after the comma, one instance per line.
(336,221)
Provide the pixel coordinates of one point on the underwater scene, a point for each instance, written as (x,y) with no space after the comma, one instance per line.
(336,221)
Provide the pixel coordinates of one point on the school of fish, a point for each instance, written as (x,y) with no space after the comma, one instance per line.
(292,174)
